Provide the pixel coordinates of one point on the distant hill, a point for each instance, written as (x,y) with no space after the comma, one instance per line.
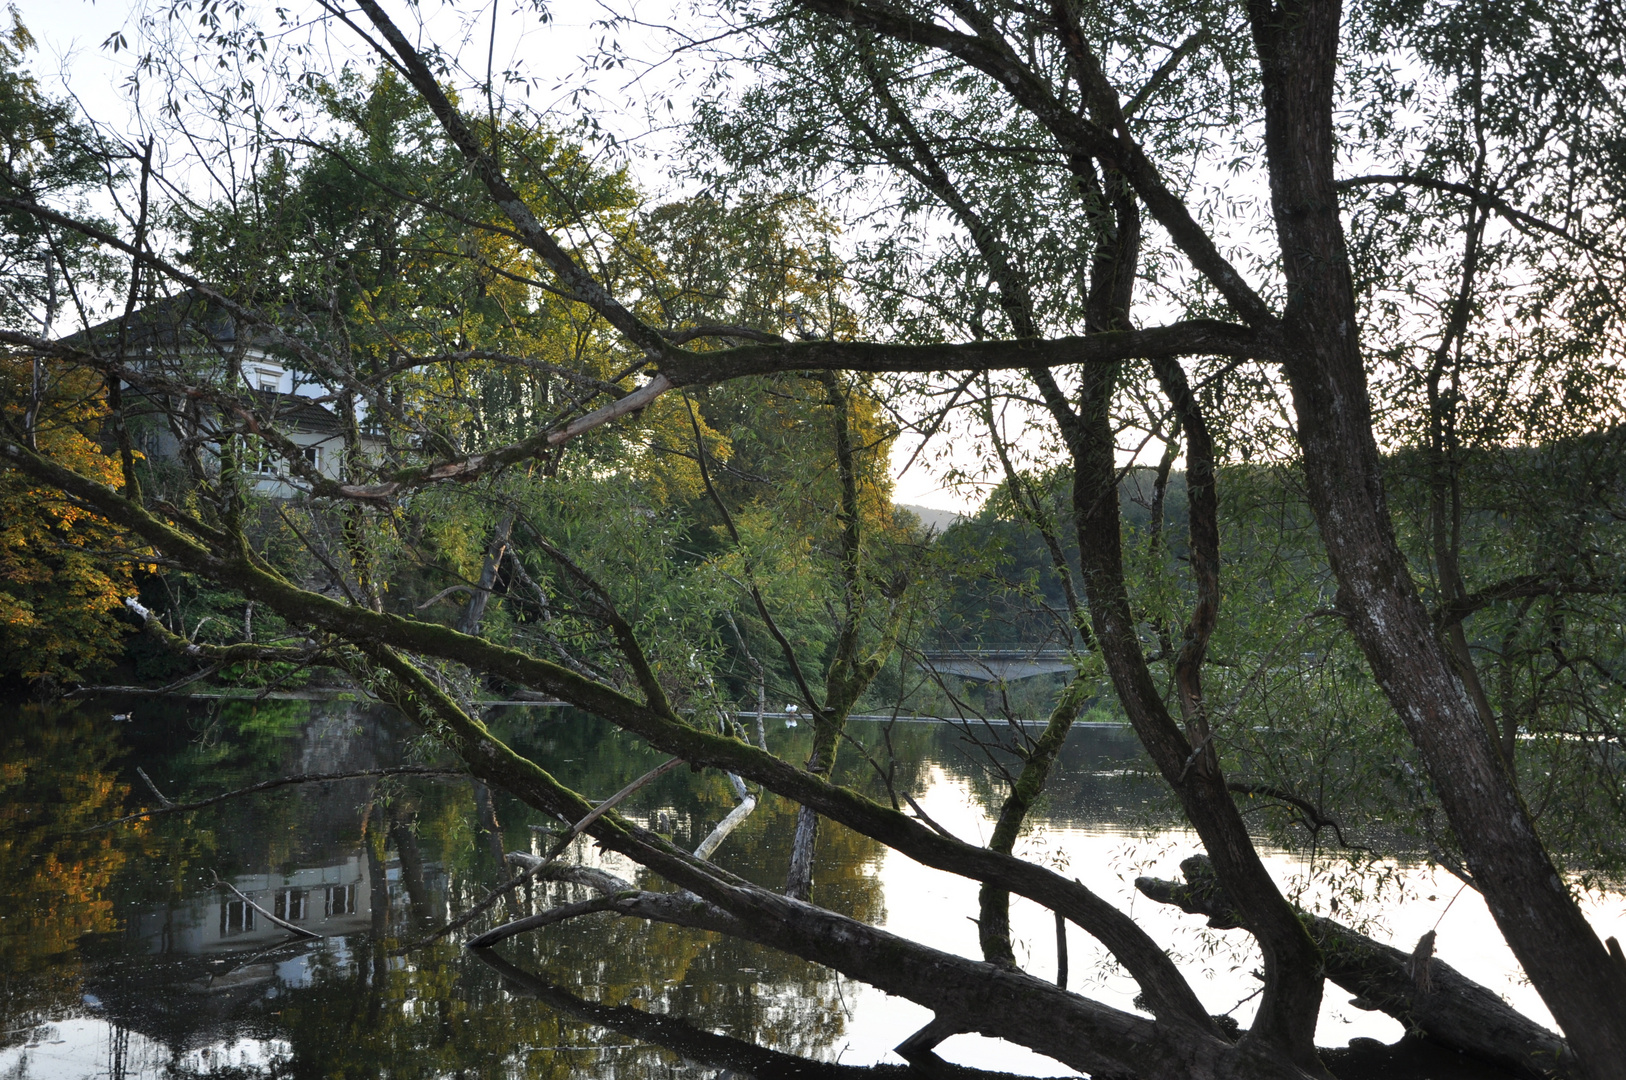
(937,521)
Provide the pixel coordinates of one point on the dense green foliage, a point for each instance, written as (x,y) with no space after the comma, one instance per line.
(1322,486)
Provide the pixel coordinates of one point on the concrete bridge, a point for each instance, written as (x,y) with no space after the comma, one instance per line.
(998,665)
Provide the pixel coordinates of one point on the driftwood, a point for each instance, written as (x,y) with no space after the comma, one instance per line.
(747,803)
(271,785)
(1423,992)
(163,800)
(712,842)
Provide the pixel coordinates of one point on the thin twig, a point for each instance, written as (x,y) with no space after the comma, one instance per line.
(910,799)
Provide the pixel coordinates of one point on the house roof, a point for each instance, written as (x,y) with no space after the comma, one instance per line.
(298,414)
(183,322)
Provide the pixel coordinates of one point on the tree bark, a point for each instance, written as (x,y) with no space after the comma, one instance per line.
(1298,45)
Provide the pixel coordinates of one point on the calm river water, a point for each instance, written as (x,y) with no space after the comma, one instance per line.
(121,957)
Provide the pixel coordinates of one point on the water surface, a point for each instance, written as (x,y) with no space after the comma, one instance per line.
(123,957)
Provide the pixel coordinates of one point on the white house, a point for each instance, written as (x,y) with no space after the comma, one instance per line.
(186,341)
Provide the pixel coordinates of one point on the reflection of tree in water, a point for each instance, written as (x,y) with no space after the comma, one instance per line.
(354,1005)
(57,777)
(438,1011)
(196,751)
(724,983)
(594,758)
(736,1056)
(1101,777)
(613,991)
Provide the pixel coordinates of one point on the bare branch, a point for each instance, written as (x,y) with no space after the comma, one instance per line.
(298,931)
(1481,198)
(272,785)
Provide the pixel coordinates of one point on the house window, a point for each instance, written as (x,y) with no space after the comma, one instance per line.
(341,900)
(267,380)
(291,904)
(313,457)
(236,917)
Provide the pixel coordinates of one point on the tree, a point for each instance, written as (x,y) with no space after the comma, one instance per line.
(59,602)
(61,597)
(1054,221)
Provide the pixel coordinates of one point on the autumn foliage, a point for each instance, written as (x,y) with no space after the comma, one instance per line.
(64,571)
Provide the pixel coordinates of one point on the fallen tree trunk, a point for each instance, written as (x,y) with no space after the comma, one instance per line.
(965,995)
(707,1048)
(1428,996)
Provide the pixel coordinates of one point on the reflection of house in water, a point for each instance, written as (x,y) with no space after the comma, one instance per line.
(326,900)
(197,972)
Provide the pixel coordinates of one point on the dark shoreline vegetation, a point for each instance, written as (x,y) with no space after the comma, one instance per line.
(1286,341)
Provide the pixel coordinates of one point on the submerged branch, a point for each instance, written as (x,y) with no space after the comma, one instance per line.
(712,842)
(299,931)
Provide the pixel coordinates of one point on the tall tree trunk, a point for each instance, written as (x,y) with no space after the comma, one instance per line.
(1188,761)
(1291,1000)
(848,676)
(1561,954)
(994,904)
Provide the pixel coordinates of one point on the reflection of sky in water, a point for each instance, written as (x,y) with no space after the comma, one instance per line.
(88,1047)
(1217,963)
(214,999)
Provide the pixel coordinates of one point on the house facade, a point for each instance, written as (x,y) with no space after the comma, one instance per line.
(184,341)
